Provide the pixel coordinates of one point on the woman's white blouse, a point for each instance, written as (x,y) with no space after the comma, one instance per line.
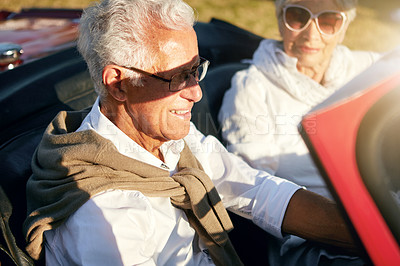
(261,111)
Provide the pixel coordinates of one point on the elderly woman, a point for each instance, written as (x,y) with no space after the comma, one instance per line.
(261,111)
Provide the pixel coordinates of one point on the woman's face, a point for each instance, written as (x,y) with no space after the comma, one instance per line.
(309,46)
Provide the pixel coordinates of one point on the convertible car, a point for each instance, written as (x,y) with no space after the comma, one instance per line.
(353,136)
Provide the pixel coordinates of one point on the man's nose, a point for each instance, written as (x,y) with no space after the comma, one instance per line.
(192,92)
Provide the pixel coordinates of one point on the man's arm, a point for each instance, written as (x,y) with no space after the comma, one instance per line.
(316,218)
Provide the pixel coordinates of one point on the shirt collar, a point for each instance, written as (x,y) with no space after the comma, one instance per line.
(98,122)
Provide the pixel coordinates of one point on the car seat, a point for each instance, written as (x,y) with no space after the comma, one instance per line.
(214,86)
(51,84)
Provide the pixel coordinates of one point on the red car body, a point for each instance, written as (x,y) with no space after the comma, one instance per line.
(39,32)
(349,135)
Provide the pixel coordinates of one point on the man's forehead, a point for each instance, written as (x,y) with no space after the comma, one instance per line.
(168,45)
(178,50)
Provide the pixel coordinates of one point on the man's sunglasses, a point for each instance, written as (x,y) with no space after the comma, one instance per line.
(180,80)
(297,18)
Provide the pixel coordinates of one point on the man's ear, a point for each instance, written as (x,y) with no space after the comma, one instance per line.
(113,76)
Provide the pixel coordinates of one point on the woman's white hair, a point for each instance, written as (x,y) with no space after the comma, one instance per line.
(347,6)
(117,32)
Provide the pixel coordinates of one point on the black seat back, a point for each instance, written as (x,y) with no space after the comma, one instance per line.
(214,86)
(15,163)
(222,43)
(30,96)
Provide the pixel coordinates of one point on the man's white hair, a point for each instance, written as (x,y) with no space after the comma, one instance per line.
(117,32)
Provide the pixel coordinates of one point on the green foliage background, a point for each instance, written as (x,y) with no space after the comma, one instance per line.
(373,29)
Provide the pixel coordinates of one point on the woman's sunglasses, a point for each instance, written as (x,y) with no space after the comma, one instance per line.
(298,18)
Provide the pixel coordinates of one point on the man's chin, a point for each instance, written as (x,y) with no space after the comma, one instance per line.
(177,134)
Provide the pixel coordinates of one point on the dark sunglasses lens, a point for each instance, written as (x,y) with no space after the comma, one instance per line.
(179,81)
(330,22)
(297,17)
(183,80)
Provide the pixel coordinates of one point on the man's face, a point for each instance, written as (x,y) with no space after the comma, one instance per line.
(154,110)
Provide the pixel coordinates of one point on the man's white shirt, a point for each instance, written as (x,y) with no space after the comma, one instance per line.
(124,227)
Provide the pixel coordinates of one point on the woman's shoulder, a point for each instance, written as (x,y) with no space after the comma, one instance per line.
(272,44)
(248,80)
(267,48)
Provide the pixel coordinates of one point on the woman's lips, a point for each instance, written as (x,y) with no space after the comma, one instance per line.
(309,50)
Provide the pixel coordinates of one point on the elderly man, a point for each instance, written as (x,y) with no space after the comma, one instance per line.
(132,181)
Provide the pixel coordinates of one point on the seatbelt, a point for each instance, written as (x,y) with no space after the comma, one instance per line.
(12,250)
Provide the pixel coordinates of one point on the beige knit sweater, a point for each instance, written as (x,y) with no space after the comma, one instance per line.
(70,167)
